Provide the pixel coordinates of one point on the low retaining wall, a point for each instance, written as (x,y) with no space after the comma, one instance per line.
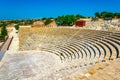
(3,43)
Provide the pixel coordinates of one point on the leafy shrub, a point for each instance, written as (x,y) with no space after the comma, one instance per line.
(16,27)
(48,21)
(4,31)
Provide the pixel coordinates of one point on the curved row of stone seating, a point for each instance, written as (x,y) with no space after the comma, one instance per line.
(60,31)
(108,44)
(77,43)
(109,39)
(110,48)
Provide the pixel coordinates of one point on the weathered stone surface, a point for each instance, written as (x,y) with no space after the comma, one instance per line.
(28,65)
(42,60)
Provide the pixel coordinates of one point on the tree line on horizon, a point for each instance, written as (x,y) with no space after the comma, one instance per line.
(105,14)
(60,20)
(64,20)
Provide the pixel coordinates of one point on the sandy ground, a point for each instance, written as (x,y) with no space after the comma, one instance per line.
(30,65)
(15,42)
(27,65)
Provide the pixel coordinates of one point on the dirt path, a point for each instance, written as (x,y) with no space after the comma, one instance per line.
(15,42)
(13,46)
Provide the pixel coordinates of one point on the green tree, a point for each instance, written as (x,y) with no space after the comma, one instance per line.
(107,15)
(4,31)
(97,14)
(78,16)
(67,20)
(117,15)
(103,14)
(16,27)
(43,18)
(70,19)
(3,24)
(110,15)
(48,21)
(59,20)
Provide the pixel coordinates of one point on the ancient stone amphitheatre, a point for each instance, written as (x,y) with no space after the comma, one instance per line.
(62,53)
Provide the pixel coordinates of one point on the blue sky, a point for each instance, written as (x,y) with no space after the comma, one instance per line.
(22,9)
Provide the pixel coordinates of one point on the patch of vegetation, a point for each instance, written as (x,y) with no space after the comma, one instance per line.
(16,27)
(47,21)
(67,20)
(3,31)
(105,14)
